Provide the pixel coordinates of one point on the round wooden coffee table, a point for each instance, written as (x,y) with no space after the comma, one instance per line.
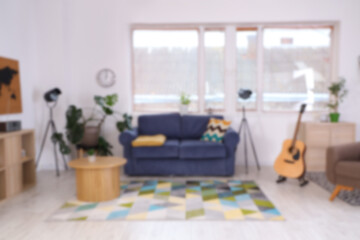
(97,181)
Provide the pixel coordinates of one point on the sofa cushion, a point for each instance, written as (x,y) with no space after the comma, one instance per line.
(195,149)
(193,126)
(170,149)
(167,124)
(215,130)
(349,169)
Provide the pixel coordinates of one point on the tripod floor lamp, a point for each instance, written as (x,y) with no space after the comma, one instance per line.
(51,98)
(244,130)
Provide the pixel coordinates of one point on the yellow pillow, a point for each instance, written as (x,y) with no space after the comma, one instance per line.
(149,141)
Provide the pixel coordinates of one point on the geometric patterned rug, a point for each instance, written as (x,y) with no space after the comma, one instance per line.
(176,200)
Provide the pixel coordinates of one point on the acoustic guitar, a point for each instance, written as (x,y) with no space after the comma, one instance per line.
(290,162)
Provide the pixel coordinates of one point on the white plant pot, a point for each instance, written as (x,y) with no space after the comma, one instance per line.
(92,158)
(184,109)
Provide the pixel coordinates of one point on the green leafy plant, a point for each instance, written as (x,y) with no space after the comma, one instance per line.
(185,99)
(104,147)
(91,152)
(58,138)
(76,124)
(338,92)
(106,103)
(125,123)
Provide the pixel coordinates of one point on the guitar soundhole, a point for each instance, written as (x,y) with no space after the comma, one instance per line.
(295,153)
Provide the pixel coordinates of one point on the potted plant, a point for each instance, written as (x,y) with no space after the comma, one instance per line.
(92,125)
(83,131)
(337,94)
(91,155)
(184,103)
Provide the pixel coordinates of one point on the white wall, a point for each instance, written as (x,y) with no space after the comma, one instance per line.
(18,41)
(77,38)
(49,18)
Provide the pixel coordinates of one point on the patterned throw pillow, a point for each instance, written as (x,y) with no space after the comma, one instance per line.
(216,130)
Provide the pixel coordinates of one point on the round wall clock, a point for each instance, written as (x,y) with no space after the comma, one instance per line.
(106,77)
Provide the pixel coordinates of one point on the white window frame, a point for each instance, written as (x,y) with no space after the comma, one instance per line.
(333,46)
(202,61)
(230,74)
(259,66)
(161,27)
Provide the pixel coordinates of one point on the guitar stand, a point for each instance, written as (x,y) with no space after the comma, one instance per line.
(302,181)
(281,179)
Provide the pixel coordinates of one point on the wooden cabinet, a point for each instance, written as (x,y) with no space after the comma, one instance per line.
(17,162)
(319,136)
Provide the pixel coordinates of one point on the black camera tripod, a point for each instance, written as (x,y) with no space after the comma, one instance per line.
(51,124)
(245,126)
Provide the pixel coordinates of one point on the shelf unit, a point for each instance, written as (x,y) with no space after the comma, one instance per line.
(318,136)
(17,162)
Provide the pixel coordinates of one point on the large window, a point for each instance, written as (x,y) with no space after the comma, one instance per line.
(214,69)
(246,46)
(284,66)
(297,67)
(165,65)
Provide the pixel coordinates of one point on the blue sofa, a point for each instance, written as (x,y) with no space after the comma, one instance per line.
(183,153)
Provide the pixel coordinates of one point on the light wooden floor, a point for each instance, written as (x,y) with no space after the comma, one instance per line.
(309,215)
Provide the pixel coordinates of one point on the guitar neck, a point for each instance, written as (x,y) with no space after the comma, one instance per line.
(296,129)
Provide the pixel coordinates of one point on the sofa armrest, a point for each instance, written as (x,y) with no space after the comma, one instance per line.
(231,140)
(128,136)
(339,153)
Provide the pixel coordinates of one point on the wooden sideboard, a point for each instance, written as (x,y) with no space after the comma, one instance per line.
(17,162)
(318,136)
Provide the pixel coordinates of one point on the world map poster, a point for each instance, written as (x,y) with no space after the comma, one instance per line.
(10,93)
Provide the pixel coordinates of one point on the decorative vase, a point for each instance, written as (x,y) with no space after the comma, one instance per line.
(92,158)
(334,117)
(184,109)
(91,136)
